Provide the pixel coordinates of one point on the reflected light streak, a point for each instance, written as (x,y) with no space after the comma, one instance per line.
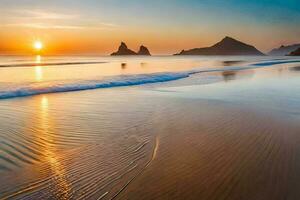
(38,69)
(57,168)
(44,103)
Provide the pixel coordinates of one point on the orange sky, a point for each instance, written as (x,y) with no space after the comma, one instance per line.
(97,27)
(20,40)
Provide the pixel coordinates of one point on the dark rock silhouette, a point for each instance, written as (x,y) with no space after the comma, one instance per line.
(123,51)
(227,46)
(295,53)
(144,51)
(284,50)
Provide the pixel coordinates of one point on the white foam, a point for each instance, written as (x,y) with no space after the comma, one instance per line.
(117,81)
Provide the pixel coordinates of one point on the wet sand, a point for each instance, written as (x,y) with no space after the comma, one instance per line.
(229,154)
(221,135)
(197,150)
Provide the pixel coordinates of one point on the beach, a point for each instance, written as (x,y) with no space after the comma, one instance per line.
(190,127)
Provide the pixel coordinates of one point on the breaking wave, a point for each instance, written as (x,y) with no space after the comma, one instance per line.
(119,81)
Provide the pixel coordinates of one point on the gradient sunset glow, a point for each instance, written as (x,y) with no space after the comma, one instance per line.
(98,26)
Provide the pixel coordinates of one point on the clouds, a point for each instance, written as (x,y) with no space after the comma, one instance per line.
(43,19)
(99,26)
(42,14)
(42,26)
(165,24)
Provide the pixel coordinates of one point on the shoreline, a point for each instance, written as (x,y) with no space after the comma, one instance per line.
(236,138)
(130,80)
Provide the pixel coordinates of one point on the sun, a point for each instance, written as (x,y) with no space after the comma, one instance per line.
(38,45)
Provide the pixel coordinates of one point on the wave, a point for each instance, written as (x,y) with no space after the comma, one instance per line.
(117,81)
(120,81)
(50,64)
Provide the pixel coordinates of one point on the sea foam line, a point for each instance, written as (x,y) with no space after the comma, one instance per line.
(117,81)
(123,80)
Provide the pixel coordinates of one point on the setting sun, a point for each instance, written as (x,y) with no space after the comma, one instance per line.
(38,45)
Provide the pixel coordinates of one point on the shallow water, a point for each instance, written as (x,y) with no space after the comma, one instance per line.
(24,77)
(93,143)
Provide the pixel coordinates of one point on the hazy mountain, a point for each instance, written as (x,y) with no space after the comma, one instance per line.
(284,50)
(227,46)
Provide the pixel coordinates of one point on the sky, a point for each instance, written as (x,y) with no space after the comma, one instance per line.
(164,26)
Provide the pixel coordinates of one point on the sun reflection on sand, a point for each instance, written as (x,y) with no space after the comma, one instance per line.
(51,152)
(155,148)
(44,104)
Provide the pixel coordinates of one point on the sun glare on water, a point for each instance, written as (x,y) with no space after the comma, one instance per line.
(38,69)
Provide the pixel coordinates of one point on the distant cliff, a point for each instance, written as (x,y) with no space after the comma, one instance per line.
(284,50)
(295,53)
(125,51)
(227,46)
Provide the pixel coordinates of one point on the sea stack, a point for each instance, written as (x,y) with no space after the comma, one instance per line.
(124,51)
(144,51)
(227,46)
(295,53)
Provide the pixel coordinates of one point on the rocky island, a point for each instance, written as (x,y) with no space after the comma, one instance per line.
(123,50)
(144,51)
(227,46)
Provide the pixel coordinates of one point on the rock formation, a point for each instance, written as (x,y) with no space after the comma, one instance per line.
(123,51)
(144,51)
(227,46)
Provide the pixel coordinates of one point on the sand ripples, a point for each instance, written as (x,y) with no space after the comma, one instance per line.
(52,152)
(83,173)
(119,144)
(222,153)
